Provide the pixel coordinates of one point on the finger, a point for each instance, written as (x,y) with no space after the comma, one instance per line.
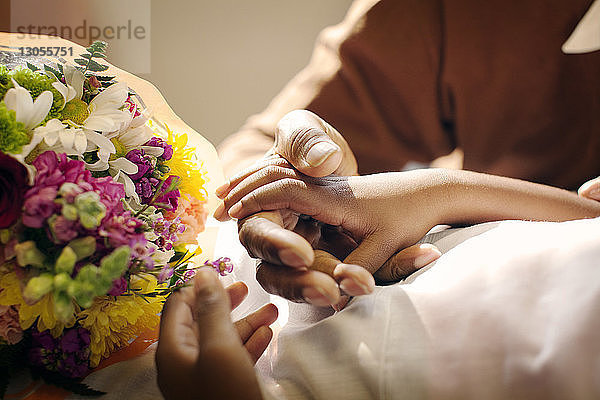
(196,314)
(308,286)
(258,342)
(297,196)
(313,146)
(264,237)
(372,252)
(237,293)
(591,189)
(407,261)
(211,309)
(271,160)
(248,325)
(353,280)
(252,182)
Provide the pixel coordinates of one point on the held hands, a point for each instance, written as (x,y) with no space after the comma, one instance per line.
(201,353)
(381,213)
(308,144)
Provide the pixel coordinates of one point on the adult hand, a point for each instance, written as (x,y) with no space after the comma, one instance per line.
(201,353)
(307,143)
(382,213)
(590,189)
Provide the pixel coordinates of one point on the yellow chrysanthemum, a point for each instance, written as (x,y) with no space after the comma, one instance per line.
(10,295)
(185,165)
(114,321)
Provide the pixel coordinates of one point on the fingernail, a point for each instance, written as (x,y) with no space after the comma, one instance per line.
(221,190)
(235,210)
(291,258)
(220,210)
(431,255)
(315,296)
(319,152)
(342,303)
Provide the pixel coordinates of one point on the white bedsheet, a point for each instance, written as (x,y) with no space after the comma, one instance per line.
(511,310)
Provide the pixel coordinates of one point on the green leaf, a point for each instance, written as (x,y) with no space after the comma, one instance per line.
(86,56)
(32,67)
(105,78)
(96,67)
(81,61)
(56,72)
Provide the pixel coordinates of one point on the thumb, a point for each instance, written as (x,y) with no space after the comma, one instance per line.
(372,252)
(313,146)
(591,189)
(211,309)
(407,261)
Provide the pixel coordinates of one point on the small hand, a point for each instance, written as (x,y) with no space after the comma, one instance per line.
(201,353)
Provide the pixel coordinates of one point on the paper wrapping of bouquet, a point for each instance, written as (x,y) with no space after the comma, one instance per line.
(162,114)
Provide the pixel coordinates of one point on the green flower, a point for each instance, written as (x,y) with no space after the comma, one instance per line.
(90,209)
(12,133)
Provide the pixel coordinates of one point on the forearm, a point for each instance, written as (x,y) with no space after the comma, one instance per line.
(470,197)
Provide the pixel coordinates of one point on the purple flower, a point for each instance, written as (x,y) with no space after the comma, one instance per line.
(158,142)
(165,273)
(119,287)
(39,205)
(121,230)
(111,192)
(68,354)
(222,265)
(143,162)
(169,199)
(144,189)
(63,229)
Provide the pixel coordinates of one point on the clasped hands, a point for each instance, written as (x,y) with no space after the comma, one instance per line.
(319,259)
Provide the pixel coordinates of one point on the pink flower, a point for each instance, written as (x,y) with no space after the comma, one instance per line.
(10,329)
(192,214)
(38,206)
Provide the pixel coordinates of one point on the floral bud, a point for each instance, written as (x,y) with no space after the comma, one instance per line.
(62,282)
(83,247)
(69,211)
(91,211)
(28,254)
(88,273)
(38,287)
(115,264)
(63,307)
(66,260)
(5,236)
(69,191)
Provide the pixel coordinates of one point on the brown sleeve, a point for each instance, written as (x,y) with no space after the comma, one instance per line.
(374,78)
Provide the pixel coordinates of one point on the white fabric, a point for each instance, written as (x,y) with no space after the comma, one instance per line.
(510,310)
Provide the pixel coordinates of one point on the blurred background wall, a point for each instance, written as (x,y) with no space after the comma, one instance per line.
(218,62)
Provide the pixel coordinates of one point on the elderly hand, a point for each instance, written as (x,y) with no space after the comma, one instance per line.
(312,146)
(201,353)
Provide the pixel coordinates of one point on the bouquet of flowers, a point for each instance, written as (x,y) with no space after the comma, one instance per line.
(99,216)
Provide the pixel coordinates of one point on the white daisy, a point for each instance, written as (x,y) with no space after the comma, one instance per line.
(30,113)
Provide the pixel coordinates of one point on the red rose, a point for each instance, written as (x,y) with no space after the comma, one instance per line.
(13,184)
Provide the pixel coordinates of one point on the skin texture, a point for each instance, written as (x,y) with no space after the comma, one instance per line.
(387,212)
(201,353)
(310,249)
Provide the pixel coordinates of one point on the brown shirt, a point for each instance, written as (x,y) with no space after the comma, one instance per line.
(411,80)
